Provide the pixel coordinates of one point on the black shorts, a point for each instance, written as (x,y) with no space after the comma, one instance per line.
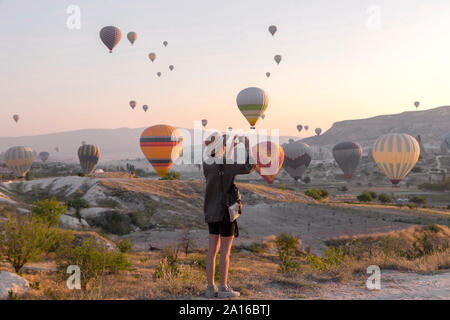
(224,228)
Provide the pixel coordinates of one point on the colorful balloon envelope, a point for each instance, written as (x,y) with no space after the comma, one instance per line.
(306,128)
(269,159)
(299,128)
(204,122)
(110,36)
(347,155)
(152,56)
(132,104)
(417,104)
(162,146)
(297,157)
(88,154)
(44,156)
(318,131)
(145,107)
(16,118)
(19,160)
(252,102)
(268,74)
(132,36)
(277,59)
(171,67)
(165,43)
(396,154)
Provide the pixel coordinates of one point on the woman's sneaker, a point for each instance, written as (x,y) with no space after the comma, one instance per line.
(211,292)
(227,292)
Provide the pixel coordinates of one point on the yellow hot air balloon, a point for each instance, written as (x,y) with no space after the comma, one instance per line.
(269,159)
(88,154)
(396,154)
(252,102)
(162,146)
(19,160)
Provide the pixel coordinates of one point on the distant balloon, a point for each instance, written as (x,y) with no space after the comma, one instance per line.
(57,149)
(16,118)
(299,128)
(269,159)
(132,104)
(44,156)
(152,56)
(159,74)
(19,160)
(306,128)
(273,29)
(252,102)
(297,157)
(165,43)
(145,107)
(88,154)
(132,36)
(204,122)
(230,128)
(83,143)
(110,36)
(447,139)
(162,145)
(396,154)
(347,155)
(417,104)
(318,131)
(268,74)
(171,67)
(277,59)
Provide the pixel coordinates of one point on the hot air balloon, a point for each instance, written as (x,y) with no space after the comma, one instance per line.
(132,104)
(16,118)
(145,107)
(57,149)
(318,131)
(269,159)
(273,29)
(447,139)
(83,143)
(158,74)
(110,36)
(19,160)
(152,56)
(165,43)
(417,104)
(299,128)
(297,157)
(347,155)
(171,67)
(230,128)
(306,128)
(396,154)
(252,102)
(132,36)
(204,122)
(268,74)
(162,145)
(88,155)
(277,59)
(44,156)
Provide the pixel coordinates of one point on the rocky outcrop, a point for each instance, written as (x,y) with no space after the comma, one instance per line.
(10,282)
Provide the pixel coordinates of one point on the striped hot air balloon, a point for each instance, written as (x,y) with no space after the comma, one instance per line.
(110,36)
(88,155)
(297,157)
(347,155)
(19,160)
(252,102)
(44,156)
(396,154)
(162,146)
(269,159)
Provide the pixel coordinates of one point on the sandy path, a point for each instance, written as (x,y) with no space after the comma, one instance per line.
(394,285)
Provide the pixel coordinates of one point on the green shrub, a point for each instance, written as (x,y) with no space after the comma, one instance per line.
(365,197)
(125,245)
(384,198)
(142,219)
(412,206)
(418,200)
(286,247)
(77,203)
(306,180)
(24,239)
(49,211)
(317,194)
(332,259)
(171,175)
(113,222)
(81,174)
(93,259)
(167,267)
(373,194)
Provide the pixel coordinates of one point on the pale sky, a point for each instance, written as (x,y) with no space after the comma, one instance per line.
(334,67)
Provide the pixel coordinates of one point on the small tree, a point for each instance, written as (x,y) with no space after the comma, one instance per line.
(24,239)
(384,198)
(286,247)
(48,211)
(365,197)
(77,203)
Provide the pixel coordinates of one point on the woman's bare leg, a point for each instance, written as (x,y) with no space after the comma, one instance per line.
(213,249)
(225,248)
